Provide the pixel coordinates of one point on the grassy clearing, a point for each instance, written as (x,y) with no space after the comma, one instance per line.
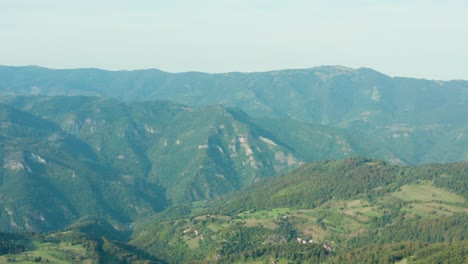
(198,207)
(427,193)
(271,260)
(193,243)
(371,212)
(215,227)
(361,210)
(404,261)
(433,208)
(50,253)
(356,203)
(262,214)
(267,223)
(330,219)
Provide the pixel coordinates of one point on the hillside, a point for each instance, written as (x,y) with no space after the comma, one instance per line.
(355,210)
(334,211)
(403,120)
(81,156)
(89,241)
(193,153)
(150,155)
(50,178)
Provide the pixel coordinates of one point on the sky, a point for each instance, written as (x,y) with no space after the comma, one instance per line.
(412,38)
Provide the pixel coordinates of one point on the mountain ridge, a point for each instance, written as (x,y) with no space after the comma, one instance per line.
(329,95)
(336,67)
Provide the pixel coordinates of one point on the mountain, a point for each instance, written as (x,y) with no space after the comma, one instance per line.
(81,156)
(193,153)
(154,154)
(149,167)
(50,179)
(356,210)
(332,95)
(416,121)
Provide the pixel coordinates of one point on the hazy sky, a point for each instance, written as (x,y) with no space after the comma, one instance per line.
(425,38)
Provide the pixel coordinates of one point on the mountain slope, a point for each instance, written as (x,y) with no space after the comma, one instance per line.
(50,179)
(145,155)
(194,153)
(122,161)
(153,154)
(88,241)
(324,212)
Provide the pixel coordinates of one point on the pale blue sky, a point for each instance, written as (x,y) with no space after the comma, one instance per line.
(416,38)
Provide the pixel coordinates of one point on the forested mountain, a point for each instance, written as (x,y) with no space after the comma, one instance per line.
(149,155)
(148,167)
(79,153)
(50,178)
(194,153)
(416,121)
(352,211)
(332,95)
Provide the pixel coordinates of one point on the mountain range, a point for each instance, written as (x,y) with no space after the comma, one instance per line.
(330,95)
(139,157)
(427,118)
